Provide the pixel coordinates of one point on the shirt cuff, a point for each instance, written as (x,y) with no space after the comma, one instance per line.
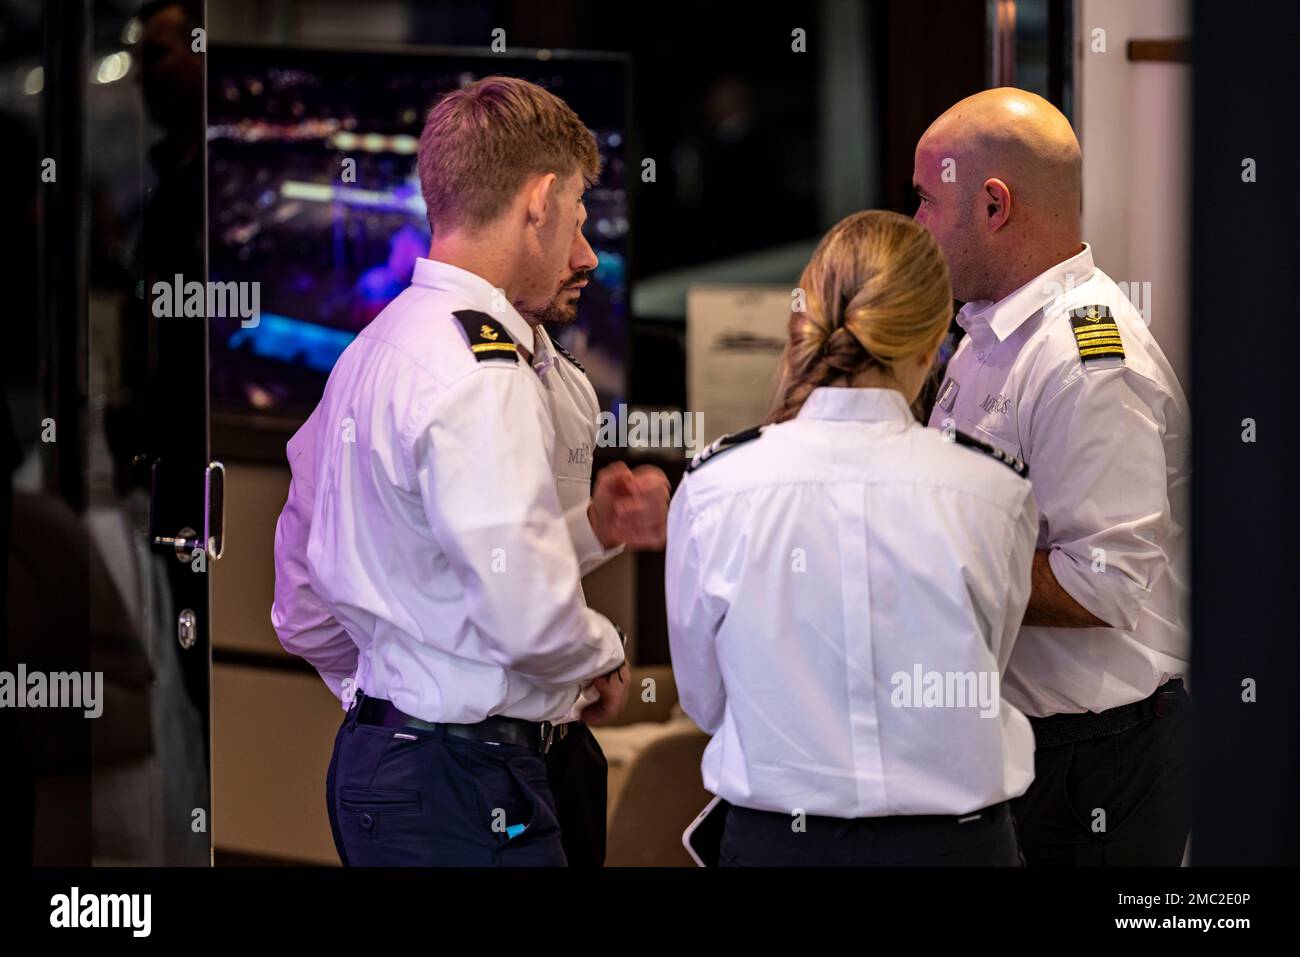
(588,694)
(591,554)
(1110,595)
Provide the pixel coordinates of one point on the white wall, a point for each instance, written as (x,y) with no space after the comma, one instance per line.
(1134,123)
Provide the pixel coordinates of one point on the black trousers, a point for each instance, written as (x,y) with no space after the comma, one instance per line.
(579,778)
(401,796)
(1113,801)
(753,838)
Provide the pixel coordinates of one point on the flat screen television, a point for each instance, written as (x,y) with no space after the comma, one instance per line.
(328,254)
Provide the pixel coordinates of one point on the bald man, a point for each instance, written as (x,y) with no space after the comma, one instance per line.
(1058,368)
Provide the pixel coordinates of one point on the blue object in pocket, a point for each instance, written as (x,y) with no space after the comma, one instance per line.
(514,830)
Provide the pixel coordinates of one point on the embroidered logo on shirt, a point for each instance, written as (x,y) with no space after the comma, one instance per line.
(488,339)
(1096,333)
(998,404)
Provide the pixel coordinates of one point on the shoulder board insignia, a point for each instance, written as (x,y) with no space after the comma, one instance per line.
(488,339)
(721,444)
(1019,466)
(567,354)
(1096,333)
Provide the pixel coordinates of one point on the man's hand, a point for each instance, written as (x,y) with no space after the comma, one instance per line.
(630,506)
(613,698)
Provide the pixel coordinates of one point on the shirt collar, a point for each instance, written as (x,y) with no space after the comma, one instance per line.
(857,405)
(1007,315)
(543,351)
(475,292)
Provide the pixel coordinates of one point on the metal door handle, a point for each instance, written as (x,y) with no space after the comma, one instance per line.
(215,543)
(213,540)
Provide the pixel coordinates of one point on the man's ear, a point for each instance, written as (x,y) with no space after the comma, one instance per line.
(541,199)
(997,203)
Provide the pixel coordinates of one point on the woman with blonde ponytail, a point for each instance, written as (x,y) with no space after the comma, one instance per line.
(878,305)
(844,587)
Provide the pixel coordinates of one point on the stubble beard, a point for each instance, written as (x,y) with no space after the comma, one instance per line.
(562,309)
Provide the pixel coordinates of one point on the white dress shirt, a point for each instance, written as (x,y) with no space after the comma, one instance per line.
(575,410)
(303,621)
(436,541)
(1106,442)
(807,570)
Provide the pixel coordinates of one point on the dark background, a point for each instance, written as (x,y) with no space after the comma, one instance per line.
(1244,503)
(733,124)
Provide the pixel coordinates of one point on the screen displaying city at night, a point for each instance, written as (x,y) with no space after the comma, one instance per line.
(330,254)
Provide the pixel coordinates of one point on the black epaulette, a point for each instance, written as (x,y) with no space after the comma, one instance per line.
(568,355)
(1096,334)
(718,445)
(488,339)
(1019,466)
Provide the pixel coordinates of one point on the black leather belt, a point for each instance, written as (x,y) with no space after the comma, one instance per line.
(498,729)
(1058,729)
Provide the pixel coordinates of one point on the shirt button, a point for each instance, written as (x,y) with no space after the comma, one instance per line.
(980,356)
(367,822)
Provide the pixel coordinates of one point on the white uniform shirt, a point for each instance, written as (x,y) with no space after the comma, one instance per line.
(1106,442)
(807,569)
(576,413)
(425,489)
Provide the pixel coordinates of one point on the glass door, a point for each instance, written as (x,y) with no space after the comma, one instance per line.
(109,503)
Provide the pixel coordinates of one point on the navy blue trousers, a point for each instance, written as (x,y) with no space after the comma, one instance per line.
(406,797)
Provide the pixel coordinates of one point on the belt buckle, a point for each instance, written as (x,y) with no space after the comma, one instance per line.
(547,734)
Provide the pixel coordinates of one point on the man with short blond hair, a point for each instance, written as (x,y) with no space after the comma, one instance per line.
(483,139)
(429,556)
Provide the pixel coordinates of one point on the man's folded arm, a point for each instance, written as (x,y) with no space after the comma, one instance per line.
(1099,471)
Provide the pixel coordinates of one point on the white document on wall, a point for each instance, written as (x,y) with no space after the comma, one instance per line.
(734,338)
